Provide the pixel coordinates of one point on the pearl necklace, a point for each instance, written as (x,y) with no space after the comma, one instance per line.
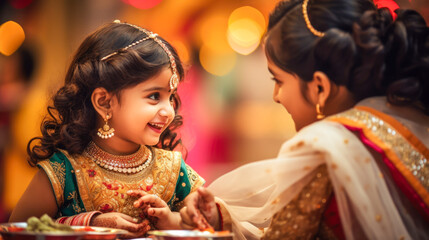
(132,163)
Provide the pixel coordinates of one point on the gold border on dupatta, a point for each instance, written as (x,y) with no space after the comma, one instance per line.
(405,151)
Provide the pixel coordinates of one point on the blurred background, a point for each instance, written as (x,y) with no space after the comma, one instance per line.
(229,116)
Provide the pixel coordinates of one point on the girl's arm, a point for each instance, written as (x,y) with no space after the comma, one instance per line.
(37,200)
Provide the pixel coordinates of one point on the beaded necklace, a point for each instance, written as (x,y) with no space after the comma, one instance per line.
(131,163)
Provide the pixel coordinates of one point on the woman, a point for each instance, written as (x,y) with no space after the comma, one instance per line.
(362,171)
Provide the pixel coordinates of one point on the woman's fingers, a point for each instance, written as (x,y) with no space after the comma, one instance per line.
(205,194)
(207,199)
(201,221)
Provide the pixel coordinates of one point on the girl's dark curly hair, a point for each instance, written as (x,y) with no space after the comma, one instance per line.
(363,48)
(71,120)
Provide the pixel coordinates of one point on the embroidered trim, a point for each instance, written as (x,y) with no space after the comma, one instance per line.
(195,179)
(175,158)
(57,185)
(402,151)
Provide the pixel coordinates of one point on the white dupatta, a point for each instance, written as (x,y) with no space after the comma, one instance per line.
(254,192)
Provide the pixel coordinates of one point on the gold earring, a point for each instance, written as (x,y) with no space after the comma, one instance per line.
(106,131)
(320,115)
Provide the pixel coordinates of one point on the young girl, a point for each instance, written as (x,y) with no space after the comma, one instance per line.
(96,154)
(355,81)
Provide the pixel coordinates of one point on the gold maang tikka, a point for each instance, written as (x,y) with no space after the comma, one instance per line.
(106,131)
(174,80)
(307,20)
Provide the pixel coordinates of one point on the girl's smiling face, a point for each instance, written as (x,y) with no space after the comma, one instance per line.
(142,112)
(288,91)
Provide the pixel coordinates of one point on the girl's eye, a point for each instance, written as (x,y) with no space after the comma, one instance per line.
(154,96)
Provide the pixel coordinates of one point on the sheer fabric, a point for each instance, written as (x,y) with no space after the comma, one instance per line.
(253,193)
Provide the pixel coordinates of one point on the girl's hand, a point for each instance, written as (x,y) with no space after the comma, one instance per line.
(121,221)
(156,209)
(200,211)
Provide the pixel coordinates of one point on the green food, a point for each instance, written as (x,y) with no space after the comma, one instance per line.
(46,224)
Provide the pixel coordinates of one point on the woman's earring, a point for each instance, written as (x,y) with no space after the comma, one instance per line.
(320,115)
(106,131)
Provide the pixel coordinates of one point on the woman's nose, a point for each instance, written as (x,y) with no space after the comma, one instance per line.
(276,95)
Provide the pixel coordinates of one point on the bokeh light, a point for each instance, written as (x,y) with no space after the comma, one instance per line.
(142,4)
(244,36)
(212,31)
(218,62)
(245,29)
(182,50)
(11,37)
(216,56)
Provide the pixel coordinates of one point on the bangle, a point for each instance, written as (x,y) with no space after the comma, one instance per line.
(82,219)
(220,216)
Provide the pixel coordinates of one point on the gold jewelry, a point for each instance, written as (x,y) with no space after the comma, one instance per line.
(132,163)
(174,80)
(307,20)
(320,115)
(106,131)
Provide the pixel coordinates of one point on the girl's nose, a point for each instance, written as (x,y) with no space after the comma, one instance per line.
(167,110)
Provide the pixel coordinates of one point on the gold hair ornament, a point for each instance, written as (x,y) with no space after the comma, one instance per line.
(174,80)
(307,20)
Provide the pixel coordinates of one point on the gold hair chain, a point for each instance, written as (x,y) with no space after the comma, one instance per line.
(174,80)
(307,20)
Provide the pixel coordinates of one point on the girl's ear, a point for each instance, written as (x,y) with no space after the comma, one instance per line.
(320,87)
(101,100)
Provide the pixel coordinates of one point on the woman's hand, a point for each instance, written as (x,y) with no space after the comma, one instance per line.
(156,210)
(200,211)
(121,221)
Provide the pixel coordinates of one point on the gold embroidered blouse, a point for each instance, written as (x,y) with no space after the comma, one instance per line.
(92,187)
(301,218)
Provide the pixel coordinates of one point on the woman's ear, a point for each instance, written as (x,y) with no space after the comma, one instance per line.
(321,87)
(101,100)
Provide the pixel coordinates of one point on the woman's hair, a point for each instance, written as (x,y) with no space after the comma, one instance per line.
(363,48)
(71,119)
